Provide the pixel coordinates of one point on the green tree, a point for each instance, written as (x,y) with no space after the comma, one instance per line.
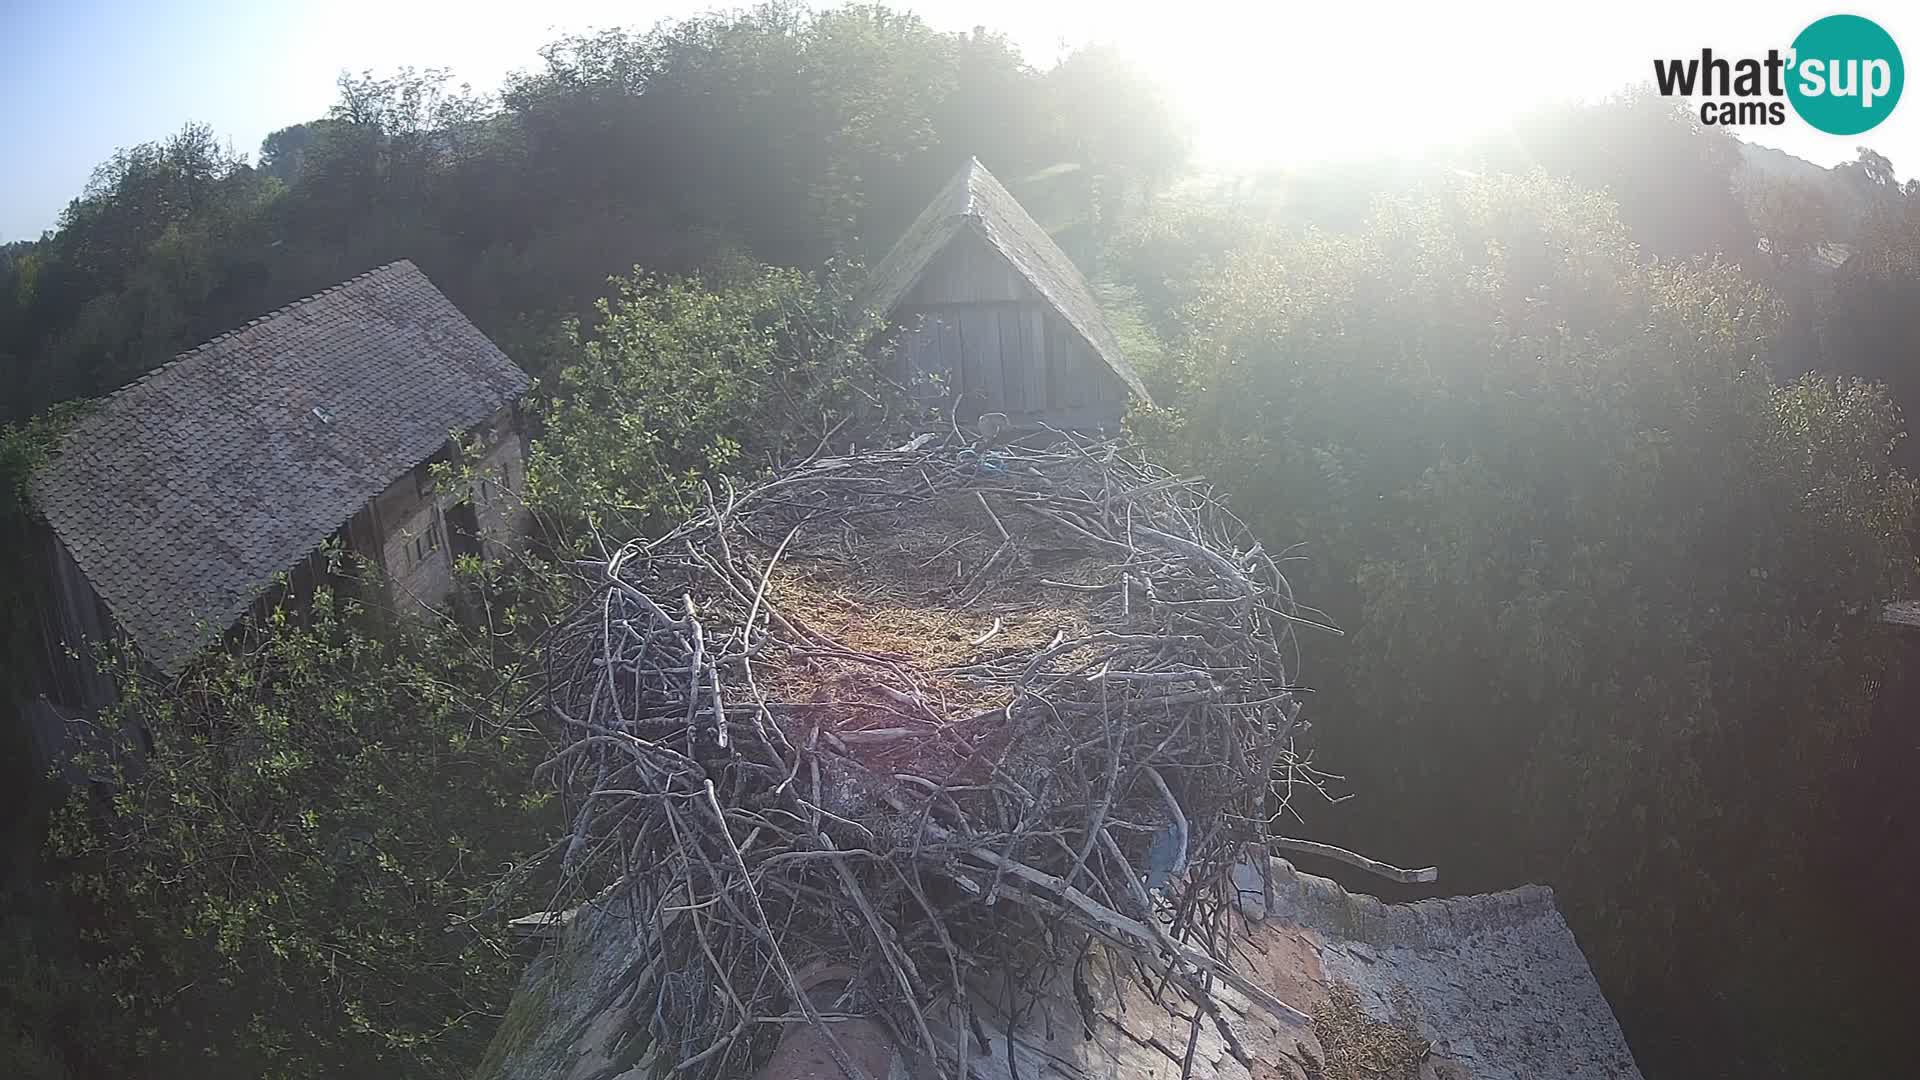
(140,267)
(266,888)
(1794,217)
(1672,178)
(1117,140)
(776,134)
(274,888)
(1868,321)
(1609,590)
(679,382)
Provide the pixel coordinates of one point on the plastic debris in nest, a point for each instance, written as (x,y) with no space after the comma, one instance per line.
(927,719)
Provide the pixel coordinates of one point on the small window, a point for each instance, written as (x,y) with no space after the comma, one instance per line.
(427,540)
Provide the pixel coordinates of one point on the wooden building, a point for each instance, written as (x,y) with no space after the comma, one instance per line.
(176,505)
(991,314)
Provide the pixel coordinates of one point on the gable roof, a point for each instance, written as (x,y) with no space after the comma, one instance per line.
(184,493)
(974,200)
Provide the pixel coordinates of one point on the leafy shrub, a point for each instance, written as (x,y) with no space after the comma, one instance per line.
(677,381)
(269,889)
(1610,590)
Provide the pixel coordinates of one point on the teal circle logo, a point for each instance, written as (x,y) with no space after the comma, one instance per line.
(1847,74)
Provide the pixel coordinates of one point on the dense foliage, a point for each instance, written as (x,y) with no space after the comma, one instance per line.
(1864,321)
(23,447)
(269,890)
(261,877)
(679,381)
(1609,588)
(775,133)
(1577,461)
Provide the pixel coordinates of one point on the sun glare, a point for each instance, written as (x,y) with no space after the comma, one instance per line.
(1274,92)
(1294,84)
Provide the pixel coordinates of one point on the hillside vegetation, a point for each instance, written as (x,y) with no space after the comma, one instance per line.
(1604,496)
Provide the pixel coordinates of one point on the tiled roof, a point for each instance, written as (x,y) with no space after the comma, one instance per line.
(1493,986)
(1495,982)
(184,493)
(973,199)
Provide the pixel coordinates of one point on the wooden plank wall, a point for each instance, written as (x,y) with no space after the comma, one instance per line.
(63,680)
(73,622)
(976,327)
(969,271)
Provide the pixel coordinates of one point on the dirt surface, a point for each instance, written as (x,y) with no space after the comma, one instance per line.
(1360,1047)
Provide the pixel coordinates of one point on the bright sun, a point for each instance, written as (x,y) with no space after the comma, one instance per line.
(1288,83)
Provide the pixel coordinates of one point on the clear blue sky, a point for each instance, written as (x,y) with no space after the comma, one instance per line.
(1262,80)
(81,78)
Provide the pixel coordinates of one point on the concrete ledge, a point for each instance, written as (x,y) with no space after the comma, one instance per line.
(1320,904)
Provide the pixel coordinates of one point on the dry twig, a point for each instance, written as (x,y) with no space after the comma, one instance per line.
(858,739)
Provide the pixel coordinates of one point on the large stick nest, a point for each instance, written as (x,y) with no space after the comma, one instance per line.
(908,720)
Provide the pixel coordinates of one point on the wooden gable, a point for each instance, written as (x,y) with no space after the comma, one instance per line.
(977,328)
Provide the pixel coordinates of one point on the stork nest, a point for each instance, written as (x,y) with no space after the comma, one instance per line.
(908,720)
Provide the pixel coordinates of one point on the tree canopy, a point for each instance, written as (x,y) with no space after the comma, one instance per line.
(1591,437)
(774,134)
(1609,586)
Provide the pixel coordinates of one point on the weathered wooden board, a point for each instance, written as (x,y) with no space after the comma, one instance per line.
(1015,360)
(980,357)
(930,354)
(1033,332)
(978,328)
(969,272)
(1067,364)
